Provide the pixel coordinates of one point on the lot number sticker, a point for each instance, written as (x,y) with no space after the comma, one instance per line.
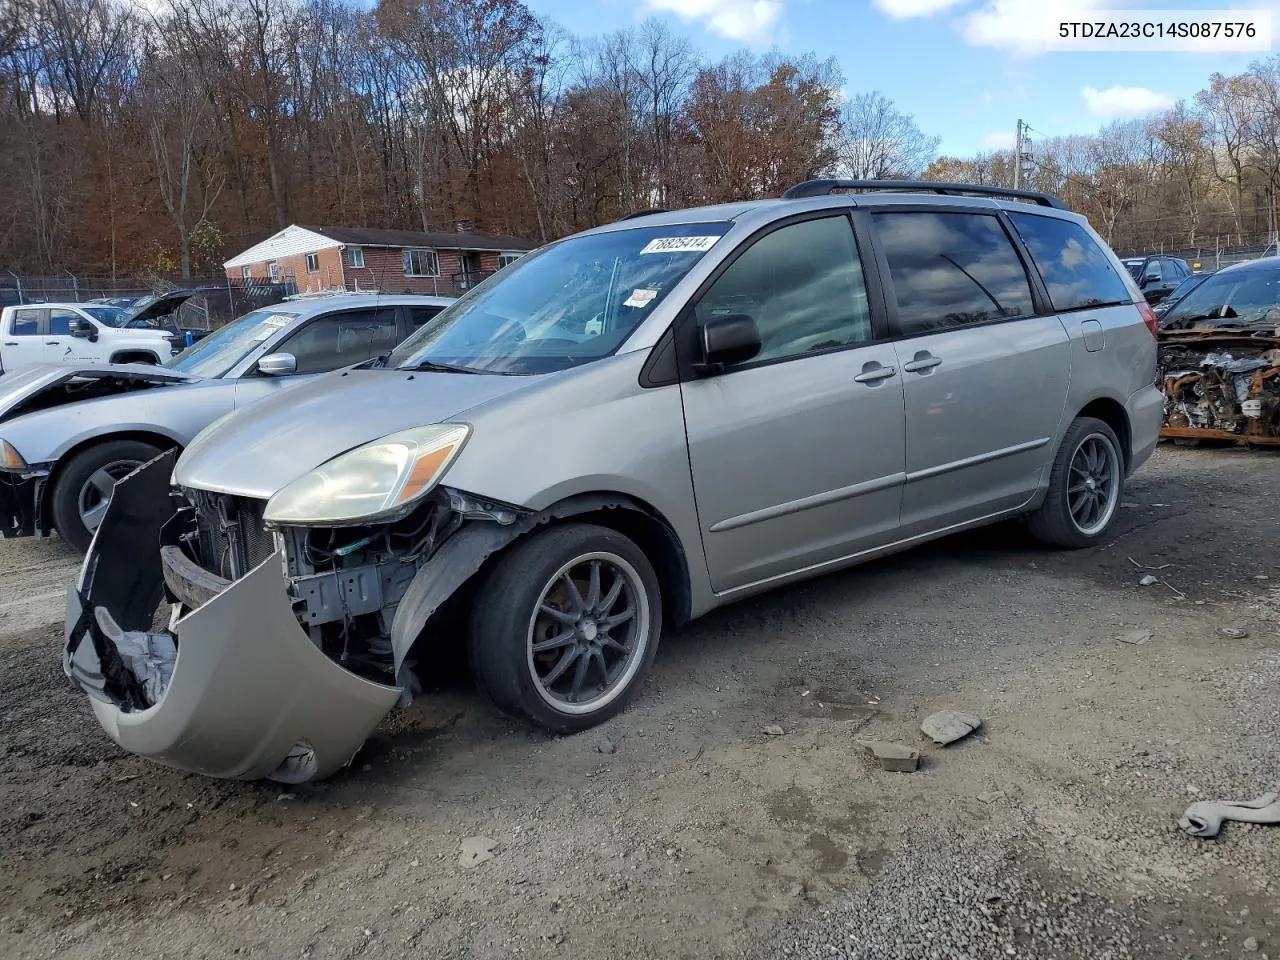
(679,245)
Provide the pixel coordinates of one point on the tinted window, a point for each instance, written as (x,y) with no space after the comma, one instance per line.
(420,315)
(26,323)
(61,321)
(951,269)
(1075,269)
(803,287)
(339,339)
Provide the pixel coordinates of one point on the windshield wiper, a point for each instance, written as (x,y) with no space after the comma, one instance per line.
(433,367)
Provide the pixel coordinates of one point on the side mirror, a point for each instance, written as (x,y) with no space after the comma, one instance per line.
(84,330)
(278,364)
(729,340)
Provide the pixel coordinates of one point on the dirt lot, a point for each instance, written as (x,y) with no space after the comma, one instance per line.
(682,829)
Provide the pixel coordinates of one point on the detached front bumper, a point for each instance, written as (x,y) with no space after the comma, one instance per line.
(250,695)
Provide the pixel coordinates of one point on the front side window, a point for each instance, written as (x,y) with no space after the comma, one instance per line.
(339,339)
(313,263)
(26,323)
(214,355)
(61,321)
(110,316)
(420,315)
(421,263)
(1154,272)
(566,304)
(1076,271)
(952,269)
(802,285)
(357,257)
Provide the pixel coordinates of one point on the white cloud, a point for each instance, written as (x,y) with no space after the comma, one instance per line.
(1125,101)
(905,9)
(998,141)
(1023,25)
(750,21)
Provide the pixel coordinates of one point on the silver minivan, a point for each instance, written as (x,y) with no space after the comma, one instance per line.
(621,430)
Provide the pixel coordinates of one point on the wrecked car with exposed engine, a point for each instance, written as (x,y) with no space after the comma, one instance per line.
(67,434)
(1220,358)
(628,427)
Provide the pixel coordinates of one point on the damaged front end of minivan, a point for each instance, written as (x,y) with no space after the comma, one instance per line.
(286,643)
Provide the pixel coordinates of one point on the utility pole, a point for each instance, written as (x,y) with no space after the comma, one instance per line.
(1021,155)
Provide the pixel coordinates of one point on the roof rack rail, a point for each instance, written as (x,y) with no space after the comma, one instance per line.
(641,213)
(820,188)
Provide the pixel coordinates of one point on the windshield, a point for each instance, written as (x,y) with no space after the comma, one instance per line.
(214,355)
(110,316)
(1231,298)
(1135,268)
(564,305)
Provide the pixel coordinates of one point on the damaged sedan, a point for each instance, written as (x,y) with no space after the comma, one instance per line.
(1220,358)
(624,429)
(68,433)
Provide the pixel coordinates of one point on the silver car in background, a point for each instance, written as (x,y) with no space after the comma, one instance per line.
(67,433)
(626,428)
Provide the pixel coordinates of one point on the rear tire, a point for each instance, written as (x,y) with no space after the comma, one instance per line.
(137,357)
(566,626)
(83,487)
(1085,487)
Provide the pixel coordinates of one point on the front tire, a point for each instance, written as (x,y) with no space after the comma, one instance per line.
(1085,486)
(566,626)
(83,487)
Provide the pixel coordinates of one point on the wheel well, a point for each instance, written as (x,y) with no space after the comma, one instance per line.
(135,356)
(144,436)
(1114,416)
(654,536)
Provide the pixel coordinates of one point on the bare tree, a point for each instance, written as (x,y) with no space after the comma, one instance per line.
(877,140)
(181,134)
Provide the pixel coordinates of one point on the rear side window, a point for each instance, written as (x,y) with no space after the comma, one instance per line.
(1076,271)
(952,269)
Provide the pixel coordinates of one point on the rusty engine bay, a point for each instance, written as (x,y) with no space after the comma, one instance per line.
(1221,385)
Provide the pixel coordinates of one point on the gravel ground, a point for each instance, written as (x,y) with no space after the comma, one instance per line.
(682,829)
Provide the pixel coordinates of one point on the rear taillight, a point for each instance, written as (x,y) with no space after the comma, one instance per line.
(1149,317)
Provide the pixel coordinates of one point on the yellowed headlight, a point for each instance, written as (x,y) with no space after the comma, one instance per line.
(10,459)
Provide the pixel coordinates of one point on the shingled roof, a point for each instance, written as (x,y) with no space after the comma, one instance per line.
(451,240)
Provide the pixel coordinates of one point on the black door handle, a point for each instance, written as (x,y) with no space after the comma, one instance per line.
(10,343)
(51,343)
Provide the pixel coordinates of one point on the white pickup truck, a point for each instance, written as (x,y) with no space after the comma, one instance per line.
(77,333)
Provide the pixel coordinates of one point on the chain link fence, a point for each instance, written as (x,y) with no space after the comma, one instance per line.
(216,300)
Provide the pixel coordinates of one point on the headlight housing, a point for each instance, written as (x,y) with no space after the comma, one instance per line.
(379,481)
(11,459)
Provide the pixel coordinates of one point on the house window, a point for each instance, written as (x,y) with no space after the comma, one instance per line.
(421,263)
(357,257)
(273,271)
(313,263)
(507,258)
(246,273)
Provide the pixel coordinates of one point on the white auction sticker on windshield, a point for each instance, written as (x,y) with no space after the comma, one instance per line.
(679,245)
(640,297)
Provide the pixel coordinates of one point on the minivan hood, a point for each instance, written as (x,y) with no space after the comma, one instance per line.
(256,451)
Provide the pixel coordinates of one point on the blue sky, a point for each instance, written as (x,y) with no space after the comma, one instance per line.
(965,69)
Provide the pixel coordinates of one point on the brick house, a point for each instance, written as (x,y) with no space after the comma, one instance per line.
(390,261)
